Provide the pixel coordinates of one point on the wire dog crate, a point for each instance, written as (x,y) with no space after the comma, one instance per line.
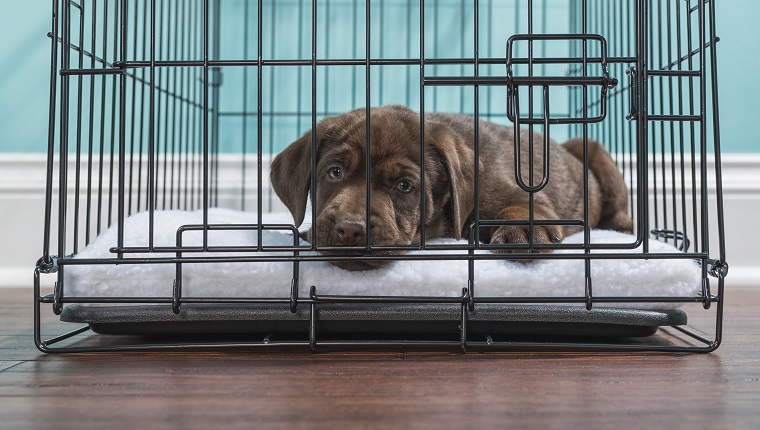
(163,106)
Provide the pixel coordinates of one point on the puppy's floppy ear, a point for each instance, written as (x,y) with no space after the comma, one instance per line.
(290,174)
(290,171)
(459,162)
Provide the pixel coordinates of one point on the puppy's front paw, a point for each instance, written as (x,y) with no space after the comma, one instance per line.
(521,235)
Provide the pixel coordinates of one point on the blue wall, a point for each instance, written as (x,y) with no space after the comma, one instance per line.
(25,58)
(24,75)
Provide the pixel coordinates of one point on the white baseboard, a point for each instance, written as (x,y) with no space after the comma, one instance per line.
(743,276)
(22,193)
(14,277)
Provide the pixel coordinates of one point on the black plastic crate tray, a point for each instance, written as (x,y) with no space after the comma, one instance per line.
(380,320)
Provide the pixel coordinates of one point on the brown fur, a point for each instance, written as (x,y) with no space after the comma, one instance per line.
(395,215)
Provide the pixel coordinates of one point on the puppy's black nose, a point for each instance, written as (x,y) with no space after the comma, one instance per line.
(349,233)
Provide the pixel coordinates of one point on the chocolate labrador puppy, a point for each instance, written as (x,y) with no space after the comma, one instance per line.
(449,192)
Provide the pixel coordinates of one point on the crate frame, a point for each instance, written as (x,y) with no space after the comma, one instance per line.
(124,71)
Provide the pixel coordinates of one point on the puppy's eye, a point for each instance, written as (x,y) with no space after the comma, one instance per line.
(404,186)
(335,173)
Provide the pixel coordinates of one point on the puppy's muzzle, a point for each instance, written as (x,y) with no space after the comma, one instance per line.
(353,232)
(349,233)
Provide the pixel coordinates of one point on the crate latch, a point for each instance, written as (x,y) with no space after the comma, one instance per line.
(605,82)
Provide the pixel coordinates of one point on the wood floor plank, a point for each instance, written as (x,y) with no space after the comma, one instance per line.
(384,389)
(4,365)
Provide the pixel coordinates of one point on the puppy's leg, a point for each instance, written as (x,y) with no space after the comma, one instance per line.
(520,234)
(614,193)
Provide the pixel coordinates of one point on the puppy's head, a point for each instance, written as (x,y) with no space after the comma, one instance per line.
(394,183)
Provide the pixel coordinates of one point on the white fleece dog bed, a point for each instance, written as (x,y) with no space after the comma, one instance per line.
(551,278)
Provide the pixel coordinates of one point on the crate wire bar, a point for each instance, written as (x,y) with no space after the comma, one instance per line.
(150,105)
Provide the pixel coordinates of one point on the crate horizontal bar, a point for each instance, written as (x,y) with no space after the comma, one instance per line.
(342,299)
(90,72)
(675,118)
(674,73)
(403,257)
(363,62)
(426,247)
(521,81)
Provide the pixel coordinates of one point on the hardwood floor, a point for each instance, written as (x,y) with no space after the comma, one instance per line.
(267,389)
